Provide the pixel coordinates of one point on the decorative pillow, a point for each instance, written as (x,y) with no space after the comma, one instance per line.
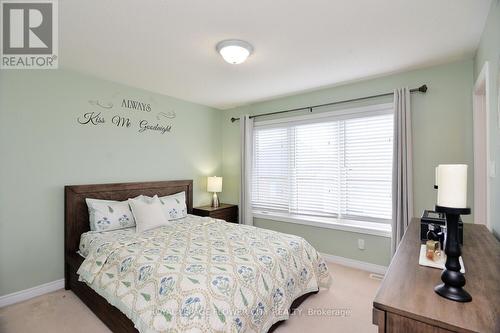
(148,215)
(174,206)
(106,215)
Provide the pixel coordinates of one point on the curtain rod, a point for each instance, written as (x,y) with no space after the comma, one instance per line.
(421,89)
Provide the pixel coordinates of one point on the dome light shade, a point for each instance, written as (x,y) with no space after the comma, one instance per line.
(234,51)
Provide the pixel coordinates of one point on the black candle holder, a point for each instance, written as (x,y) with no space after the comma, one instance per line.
(453,279)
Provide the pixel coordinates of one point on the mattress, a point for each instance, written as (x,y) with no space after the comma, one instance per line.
(201,275)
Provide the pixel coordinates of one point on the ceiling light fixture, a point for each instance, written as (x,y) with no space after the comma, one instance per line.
(234,51)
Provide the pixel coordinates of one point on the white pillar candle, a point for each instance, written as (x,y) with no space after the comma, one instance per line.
(452,187)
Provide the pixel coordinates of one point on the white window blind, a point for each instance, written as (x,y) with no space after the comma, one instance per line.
(336,166)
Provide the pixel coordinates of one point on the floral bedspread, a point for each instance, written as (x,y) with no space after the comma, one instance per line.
(203,275)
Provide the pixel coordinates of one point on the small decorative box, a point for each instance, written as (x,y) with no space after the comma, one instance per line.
(438,220)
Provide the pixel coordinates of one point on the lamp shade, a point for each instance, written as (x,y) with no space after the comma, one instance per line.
(214,184)
(452,185)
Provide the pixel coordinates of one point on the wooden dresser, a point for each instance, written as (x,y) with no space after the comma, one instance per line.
(406,301)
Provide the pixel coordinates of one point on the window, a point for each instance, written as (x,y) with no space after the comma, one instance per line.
(337,167)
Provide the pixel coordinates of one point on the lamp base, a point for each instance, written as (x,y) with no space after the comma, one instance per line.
(215,200)
(453,293)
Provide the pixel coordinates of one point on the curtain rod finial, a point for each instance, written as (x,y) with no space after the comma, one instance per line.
(423,88)
(233,119)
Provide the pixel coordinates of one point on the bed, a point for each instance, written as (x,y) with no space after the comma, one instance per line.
(201,274)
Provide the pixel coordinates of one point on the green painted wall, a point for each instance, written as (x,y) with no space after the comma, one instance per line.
(489,50)
(43,148)
(442,133)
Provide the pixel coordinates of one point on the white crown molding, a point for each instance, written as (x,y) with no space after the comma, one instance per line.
(26,294)
(365,266)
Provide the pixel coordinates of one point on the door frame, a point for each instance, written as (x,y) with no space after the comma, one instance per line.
(481,122)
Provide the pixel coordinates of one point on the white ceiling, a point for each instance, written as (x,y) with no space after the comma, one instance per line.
(169,46)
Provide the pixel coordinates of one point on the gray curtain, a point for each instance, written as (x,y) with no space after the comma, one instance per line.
(402,178)
(246,136)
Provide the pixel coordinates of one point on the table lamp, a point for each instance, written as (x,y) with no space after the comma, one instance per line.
(452,201)
(214,184)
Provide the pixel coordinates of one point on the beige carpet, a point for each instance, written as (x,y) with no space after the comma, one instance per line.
(346,307)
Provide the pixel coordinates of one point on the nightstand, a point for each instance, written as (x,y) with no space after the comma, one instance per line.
(225,212)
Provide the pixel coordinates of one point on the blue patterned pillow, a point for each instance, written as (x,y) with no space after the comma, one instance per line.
(107,215)
(174,206)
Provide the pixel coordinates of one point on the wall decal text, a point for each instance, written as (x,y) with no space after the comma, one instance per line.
(105,113)
(136,105)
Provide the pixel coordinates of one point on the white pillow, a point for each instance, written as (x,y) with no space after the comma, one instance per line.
(174,206)
(106,215)
(148,215)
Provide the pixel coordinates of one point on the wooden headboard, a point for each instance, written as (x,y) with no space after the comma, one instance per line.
(76,211)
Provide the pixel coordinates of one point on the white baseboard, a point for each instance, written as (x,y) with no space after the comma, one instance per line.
(26,294)
(366,266)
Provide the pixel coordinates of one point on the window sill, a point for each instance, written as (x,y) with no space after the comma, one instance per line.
(362,227)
